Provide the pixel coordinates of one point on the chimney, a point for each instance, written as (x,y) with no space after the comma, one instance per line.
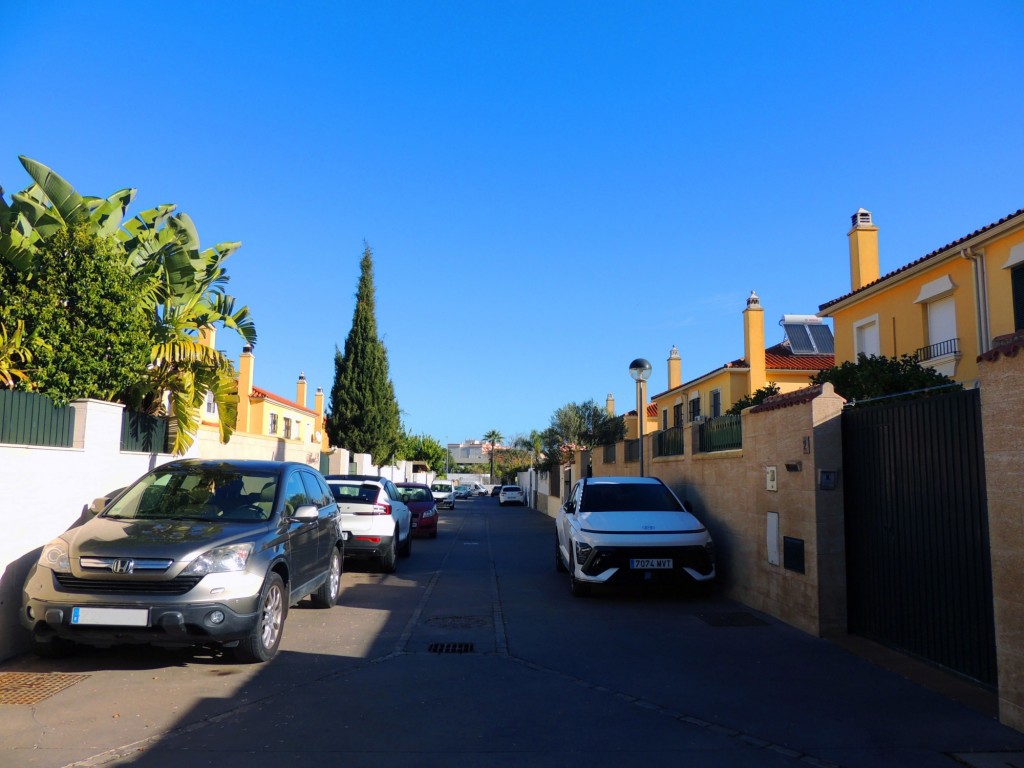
(675,368)
(753,342)
(318,406)
(300,390)
(245,379)
(863,238)
(208,336)
(609,404)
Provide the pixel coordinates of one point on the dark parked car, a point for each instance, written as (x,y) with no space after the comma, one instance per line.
(420,501)
(496,490)
(194,552)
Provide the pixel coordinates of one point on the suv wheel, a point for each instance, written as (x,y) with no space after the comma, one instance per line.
(577,587)
(559,563)
(406,549)
(387,559)
(265,637)
(327,595)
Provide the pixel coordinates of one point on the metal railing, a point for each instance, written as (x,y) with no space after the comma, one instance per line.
(669,442)
(632,450)
(722,433)
(144,433)
(609,453)
(28,418)
(943,348)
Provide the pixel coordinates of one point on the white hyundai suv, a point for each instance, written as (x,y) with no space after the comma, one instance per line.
(620,529)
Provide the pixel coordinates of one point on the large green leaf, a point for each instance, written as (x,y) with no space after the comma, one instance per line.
(62,196)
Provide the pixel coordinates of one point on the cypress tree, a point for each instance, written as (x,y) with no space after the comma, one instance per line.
(364,414)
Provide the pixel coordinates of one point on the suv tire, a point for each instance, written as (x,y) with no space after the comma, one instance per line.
(327,594)
(406,548)
(388,557)
(577,587)
(265,638)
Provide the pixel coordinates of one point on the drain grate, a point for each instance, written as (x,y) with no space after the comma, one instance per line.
(450,648)
(734,619)
(33,687)
(459,622)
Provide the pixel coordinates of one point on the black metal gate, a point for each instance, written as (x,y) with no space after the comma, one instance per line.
(919,575)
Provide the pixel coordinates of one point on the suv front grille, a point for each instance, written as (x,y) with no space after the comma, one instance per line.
(177,586)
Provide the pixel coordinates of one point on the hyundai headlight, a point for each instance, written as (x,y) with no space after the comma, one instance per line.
(55,556)
(229,559)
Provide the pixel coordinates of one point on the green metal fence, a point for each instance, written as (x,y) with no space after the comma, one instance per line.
(722,433)
(28,418)
(144,433)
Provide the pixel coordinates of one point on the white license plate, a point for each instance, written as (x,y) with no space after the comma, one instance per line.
(111,617)
(344,535)
(651,563)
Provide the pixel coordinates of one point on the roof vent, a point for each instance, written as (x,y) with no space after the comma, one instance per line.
(862,218)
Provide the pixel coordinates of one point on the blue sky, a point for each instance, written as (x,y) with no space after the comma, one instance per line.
(551,189)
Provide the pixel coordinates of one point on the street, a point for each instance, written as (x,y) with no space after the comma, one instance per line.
(475,654)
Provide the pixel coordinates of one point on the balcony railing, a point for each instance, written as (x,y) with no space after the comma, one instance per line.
(722,433)
(942,349)
(669,442)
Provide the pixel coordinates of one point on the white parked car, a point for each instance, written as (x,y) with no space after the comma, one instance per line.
(511,494)
(377,521)
(616,529)
(443,492)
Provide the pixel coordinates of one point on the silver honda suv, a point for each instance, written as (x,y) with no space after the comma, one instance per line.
(193,553)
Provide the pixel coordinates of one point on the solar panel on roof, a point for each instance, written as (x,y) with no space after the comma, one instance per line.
(799,339)
(821,335)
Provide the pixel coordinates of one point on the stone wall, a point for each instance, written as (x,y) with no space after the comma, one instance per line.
(1002,411)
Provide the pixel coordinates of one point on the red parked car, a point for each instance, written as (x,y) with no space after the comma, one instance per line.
(421,503)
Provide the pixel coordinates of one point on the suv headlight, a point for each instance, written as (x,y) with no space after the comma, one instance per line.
(220,560)
(582,551)
(55,556)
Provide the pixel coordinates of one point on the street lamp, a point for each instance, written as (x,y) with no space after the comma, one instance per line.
(640,370)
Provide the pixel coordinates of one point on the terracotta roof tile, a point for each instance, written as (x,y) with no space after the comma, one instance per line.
(1004,346)
(264,394)
(788,400)
(932,255)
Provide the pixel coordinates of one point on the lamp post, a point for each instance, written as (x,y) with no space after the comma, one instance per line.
(640,370)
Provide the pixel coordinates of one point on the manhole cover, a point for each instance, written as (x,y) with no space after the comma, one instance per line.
(450,648)
(736,619)
(33,687)
(459,622)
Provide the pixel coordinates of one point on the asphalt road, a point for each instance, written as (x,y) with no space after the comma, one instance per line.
(475,654)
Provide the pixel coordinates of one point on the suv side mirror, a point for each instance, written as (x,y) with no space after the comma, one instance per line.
(306,512)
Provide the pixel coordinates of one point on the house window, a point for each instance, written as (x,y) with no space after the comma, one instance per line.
(677,415)
(1017,283)
(664,418)
(287,429)
(273,423)
(865,337)
(211,404)
(695,408)
(716,403)
(941,324)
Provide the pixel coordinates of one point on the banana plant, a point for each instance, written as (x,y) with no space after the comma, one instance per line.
(183,287)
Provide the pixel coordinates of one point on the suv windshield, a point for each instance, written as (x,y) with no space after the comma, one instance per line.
(198,493)
(628,497)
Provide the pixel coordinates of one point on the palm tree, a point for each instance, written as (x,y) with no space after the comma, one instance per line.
(493,437)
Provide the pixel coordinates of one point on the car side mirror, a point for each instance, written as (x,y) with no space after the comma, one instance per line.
(307,512)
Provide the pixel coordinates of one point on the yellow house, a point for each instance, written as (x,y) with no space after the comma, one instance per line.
(948,307)
(805,350)
(292,429)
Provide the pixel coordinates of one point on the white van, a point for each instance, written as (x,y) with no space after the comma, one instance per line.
(443,492)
